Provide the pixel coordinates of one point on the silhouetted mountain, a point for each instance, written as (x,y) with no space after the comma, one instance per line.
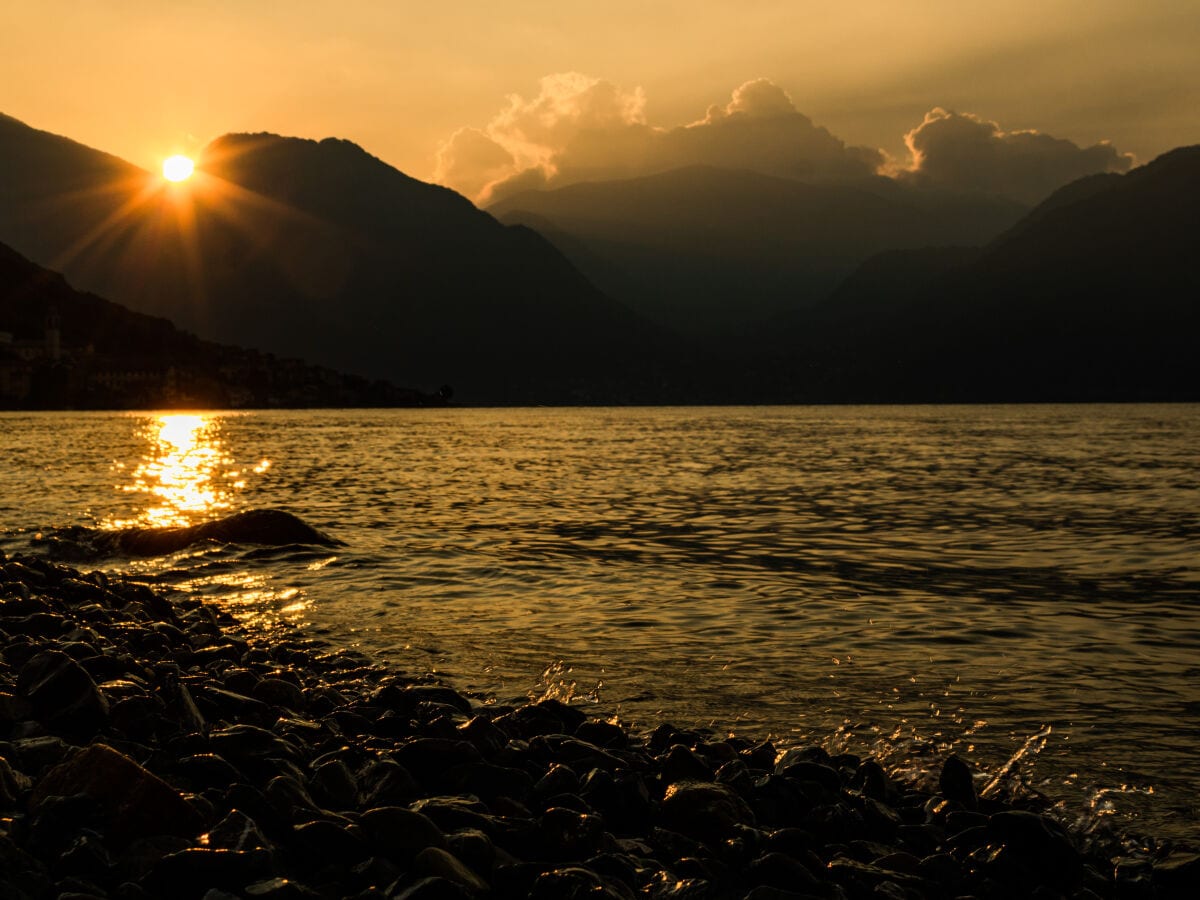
(62,348)
(317,249)
(1094,295)
(711,252)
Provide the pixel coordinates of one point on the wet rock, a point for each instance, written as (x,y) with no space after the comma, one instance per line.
(326,843)
(576,883)
(957,783)
(542,718)
(387,783)
(559,779)
(206,770)
(63,696)
(1178,872)
(826,777)
(290,800)
(707,812)
(681,764)
(136,802)
(475,849)
(429,758)
(435,862)
(580,755)
(487,738)
(12,784)
(777,870)
(602,734)
(193,872)
(333,785)
(400,834)
(241,742)
(1038,842)
(454,813)
(278,692)
(433,888)
(279,889)
(570,835)
(237,831)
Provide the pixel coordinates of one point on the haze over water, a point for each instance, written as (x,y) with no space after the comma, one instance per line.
(904,578)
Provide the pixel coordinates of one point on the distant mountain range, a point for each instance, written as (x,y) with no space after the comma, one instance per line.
(1095,295)
(318,250)
(63,348)
(712,252)
(695,285)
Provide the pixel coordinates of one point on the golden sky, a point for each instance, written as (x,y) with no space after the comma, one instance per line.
(147,78)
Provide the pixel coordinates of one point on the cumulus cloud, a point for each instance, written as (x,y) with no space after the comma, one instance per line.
(580,128)
(965,152)
(470,161)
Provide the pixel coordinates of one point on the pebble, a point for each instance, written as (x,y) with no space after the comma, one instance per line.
(150,748)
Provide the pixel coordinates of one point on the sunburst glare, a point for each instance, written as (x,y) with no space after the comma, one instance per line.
(177,168)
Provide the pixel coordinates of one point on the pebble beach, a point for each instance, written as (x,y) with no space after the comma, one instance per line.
(150,746)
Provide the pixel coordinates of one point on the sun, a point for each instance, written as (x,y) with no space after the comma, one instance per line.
(177,168)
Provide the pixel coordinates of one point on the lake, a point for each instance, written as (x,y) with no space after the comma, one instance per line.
(1017,583)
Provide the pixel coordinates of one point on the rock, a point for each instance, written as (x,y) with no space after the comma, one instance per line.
(137,802)
(278,692)
(400,834)
(330,844)
(63,696)
(681,764)
(237,831)
(778,870)
(577,883)
(279,889)
(1179,871)
(433,888)
(387,783)
(814,773)
(1038,841)
(12,784)
(430,757)
(192,873)
(333,785)
(957,783)
(434,861)
(488,781)
(269,527)
(707,812)
(571,836)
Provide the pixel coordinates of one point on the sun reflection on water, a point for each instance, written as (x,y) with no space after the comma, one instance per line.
(185,474)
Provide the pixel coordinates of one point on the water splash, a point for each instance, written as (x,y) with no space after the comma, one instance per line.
(1015,775)
(556,684)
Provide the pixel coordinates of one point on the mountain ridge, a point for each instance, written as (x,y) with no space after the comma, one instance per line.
(318,249)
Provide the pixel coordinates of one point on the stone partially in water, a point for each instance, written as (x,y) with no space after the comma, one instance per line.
(268,527)
(957,782)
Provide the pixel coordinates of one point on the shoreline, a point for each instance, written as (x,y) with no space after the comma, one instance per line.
(151,747)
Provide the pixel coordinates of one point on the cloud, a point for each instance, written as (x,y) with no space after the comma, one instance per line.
(580,128)
(761,129)
(966,152)
(470,161)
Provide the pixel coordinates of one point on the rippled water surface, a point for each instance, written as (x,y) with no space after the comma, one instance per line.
(909,578)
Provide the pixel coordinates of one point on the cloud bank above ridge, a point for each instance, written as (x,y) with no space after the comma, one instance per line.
(580,128)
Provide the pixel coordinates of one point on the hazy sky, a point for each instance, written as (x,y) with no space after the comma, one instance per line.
(145,78)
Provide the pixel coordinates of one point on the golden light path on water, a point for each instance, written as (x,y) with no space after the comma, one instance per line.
(186,477)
